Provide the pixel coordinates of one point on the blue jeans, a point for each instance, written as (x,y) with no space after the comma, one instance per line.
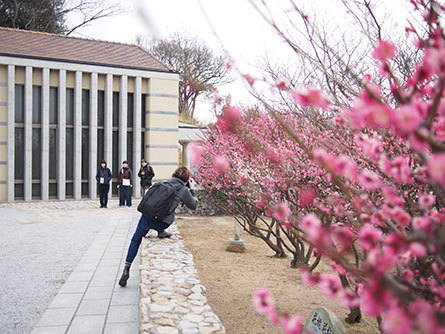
(124,195)
(144,226)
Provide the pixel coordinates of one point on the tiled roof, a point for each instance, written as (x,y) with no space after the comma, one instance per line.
(30,44)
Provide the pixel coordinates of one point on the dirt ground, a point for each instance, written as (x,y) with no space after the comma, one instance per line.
(231,278)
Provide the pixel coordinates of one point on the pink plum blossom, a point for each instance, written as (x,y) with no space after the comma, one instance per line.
(407,119)
(312,97)
(384,50)
(281,211)
(396,321)
(221,164)
(263,301)
(369,236)
(293,325)
(196,153)
(436,168)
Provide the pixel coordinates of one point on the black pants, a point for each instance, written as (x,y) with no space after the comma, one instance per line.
(103,194)
(125,195)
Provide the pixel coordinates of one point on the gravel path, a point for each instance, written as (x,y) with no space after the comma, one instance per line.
(41,243)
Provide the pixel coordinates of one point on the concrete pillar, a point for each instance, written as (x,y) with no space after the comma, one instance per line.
(61,137)
(186,155)
(44,176)
(11,133)
(108,125)
(123,97)
(93,137)
(137,105)
(28,134)
(77,147)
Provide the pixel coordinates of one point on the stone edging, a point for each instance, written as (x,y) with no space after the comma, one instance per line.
(172,298)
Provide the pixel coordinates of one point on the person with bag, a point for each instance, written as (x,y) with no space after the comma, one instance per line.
(146,174)
(103,177)
(125,184)
(158,207)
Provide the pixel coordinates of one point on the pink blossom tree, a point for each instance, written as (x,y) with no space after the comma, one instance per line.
(367,184)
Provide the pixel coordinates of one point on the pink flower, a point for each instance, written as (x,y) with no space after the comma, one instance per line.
(426,200)
(369,236)
(313,97)
(307,196)
(311,225)
(423,224)
(436,168)
(374,298)
(228,64)
(349,298)
(273,156)
(263,301)
(400,216)
(397,321)
(406,119)
(230,118)
(343,236)
(249,79)
(281,211)
(293,325)
(369,180)
(196,153)
(384,50)
(330,285)
(417,249)
(221,164)
(309,278)
(282,85)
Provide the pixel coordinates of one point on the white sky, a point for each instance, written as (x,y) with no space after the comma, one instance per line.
(242,31)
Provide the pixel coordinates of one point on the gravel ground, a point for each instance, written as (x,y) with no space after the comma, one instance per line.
(40,246)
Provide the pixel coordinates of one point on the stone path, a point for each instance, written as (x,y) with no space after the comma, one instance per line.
(91,301)
(168,299)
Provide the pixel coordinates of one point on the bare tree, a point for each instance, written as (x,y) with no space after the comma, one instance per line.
(50,15)
(201,69)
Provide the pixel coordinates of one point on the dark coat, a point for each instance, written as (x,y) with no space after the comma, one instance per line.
(147,177)
(105,173)
(125,173)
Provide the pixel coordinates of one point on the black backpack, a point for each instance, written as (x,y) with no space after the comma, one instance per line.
(156,203)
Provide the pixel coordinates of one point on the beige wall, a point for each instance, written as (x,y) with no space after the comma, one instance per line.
(166,155)
(3,132)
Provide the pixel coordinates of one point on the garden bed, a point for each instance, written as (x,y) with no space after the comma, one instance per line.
(231,278)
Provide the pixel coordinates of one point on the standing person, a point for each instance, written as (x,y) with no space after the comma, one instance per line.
(103,177)
(146,174)
(124,184)
(179,181)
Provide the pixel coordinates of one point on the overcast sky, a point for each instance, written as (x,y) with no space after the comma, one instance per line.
(239,28)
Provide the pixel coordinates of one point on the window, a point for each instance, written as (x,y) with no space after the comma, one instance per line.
(69,106)
(52,154)
(85,107)
(53,105)
(115,109)
(36,104)
(69,153)
(19,103)
(19,156)
(130,104)
(100,108)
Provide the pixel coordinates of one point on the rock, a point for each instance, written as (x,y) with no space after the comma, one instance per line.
(167,330)
(323,321)
(235,248)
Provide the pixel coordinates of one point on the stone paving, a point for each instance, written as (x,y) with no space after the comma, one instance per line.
(173,299)
(169,298)
(90,301)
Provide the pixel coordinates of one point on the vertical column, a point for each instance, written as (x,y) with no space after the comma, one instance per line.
(28,134)
(61,137)
(44,177)
(108,125)
(93,137)
(77,172)
(123,96)
(11,134)
(186,154)
(137,105)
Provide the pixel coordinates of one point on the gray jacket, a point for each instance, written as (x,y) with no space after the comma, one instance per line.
(184,195)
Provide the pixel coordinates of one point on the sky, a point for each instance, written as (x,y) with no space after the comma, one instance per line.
(236,27)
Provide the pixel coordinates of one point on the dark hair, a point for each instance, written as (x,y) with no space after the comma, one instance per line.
(182,173)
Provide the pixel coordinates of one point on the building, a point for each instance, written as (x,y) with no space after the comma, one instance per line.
(67,103)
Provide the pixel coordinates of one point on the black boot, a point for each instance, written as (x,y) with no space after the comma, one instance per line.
(163,234)
(125,276)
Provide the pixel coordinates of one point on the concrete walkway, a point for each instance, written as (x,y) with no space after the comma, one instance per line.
(91,301)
